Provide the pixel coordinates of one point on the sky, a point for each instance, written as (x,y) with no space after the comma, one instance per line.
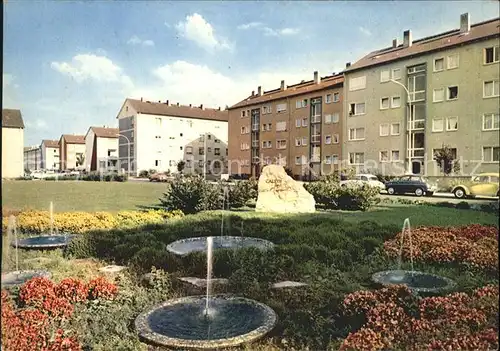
(70,65)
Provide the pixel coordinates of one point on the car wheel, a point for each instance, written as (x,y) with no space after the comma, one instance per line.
(419,192)
(391,191)
(459,193)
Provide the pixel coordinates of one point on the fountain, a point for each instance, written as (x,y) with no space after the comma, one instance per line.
(16,277)
(46,242)
(415,280)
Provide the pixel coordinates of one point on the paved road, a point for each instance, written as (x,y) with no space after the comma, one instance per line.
(440,197)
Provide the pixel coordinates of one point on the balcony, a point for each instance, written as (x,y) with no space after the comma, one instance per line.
(316,119)
(255,127)
(315,158)
(416,152)
(255,159)
(316,138)
(418,124)
(255,143)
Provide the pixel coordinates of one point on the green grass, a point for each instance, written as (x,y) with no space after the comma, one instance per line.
(80,196)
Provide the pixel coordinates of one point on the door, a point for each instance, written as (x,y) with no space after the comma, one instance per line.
(403,185)
(416,167)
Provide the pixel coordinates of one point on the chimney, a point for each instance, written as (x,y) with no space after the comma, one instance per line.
(253,92)
(316,77)
(259,91)
(159,101)
(141,98)
(347,65)
(219,108)
(166,102)
(177,104)
(190,105)
(407,39)
(394,43)
(282,87)
(201,106)
(464,23)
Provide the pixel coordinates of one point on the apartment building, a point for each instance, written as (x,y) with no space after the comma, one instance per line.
(101,149)
(50,154)
(297,126)
(72,152)
(405,101)
(12,143)
(33,158)
(158,135)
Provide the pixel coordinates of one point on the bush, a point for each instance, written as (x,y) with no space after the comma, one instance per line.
(463,205)
(330,195)
(241,192)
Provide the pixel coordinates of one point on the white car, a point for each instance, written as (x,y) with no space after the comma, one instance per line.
(364,179)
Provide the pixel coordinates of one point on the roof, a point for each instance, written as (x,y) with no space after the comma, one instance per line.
(50,143)
(291,90)
(446,40)
(104,132)
(12,118)
(74,139)
(164,109)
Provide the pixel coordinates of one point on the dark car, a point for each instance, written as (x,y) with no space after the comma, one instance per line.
(413,184)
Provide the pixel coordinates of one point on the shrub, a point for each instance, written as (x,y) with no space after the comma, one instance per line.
(187,194)
(241,192)
(144,174)
(463,205)
(332,196)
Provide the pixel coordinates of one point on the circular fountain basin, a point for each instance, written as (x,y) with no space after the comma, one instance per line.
(186,246)
(414,280)
(44,242)
(183,323)
(20,277)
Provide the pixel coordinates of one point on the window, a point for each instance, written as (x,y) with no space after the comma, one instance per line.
(158,121)
(336,138)
(491,55)
(266,127)
(452,123)
(395,129)
(157,136)
(396,102)
(243,114)
(328,160)
(267,144)
(304,122)
(281,144)
(200,163)
(281,126)
(209,137)
(328,139)
(491,154)
(395,155)
(201,151)
(356,158)
(453,93)
(298,160)
(297,123)
(438,95)
(301,103)
(227,152)
(385,75)
(304,141)
(244,146)
(217,151)
(180,134)
(266,109)
(189,150)
(396,74)
(217,141)
(356,133)
(328,119)
(157,163)
(335,158)
(357,109)
(280,108)
(384,156)
(244,130)
(328,98)
(437,125)
(491,121)
(335,117)
(384,129)
(491,88)
(298,141)
(384,103)
(336,97)
(209,149)
(357,83)
(438,64)
(452,61)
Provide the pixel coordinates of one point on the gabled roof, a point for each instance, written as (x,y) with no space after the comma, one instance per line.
(51,143)
(446,40)
(73,139)
(164,109)
(104,132)
(12,118)
(291,90)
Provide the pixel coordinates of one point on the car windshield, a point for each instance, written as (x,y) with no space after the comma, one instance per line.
(480,179)
(372,178)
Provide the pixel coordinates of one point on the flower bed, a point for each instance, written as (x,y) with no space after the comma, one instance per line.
(80,222)
(40,320)
(474,245)
(393,318)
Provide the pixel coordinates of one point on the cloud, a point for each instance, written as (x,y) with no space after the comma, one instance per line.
(250,25)
(38,124)
(268,31)
(365,31)
(135,40)
(198,30)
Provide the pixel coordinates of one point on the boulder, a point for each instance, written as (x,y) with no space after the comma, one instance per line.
(279,193)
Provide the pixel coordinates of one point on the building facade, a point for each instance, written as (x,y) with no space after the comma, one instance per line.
(404,102)
(12,143)
(50,154)
(72,152)
(33,158)
(297,126)
(159,135)
(101,149)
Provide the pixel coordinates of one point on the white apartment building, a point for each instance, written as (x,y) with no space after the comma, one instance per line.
(33,158)
(12,143)
(72,152)
(161,135)
(101,149)
(50,154)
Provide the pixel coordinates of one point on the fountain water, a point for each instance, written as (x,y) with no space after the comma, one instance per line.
(414,280)
(210,242)
(51,218)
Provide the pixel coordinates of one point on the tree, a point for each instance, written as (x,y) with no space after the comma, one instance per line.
(446,160)
(180,166)
(80,159)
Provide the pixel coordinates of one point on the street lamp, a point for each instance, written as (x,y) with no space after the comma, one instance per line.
(409,125)
(204,156)
(128,158)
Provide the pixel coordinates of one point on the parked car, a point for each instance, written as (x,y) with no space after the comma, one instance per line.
(484,184)
(364,179)
(414,184)
(158,177)
(38,175)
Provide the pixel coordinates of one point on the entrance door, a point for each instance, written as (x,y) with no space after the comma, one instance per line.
(416,167)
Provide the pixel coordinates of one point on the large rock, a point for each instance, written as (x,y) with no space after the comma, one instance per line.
(278,192)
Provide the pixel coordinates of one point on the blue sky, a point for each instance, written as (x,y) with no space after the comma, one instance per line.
(70,65)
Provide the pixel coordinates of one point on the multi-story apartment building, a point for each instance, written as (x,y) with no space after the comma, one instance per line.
(404,102)
(33,158)
(297,126)
(12,143)
(72,152)
(158,135)
(50,154)
(101,149)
